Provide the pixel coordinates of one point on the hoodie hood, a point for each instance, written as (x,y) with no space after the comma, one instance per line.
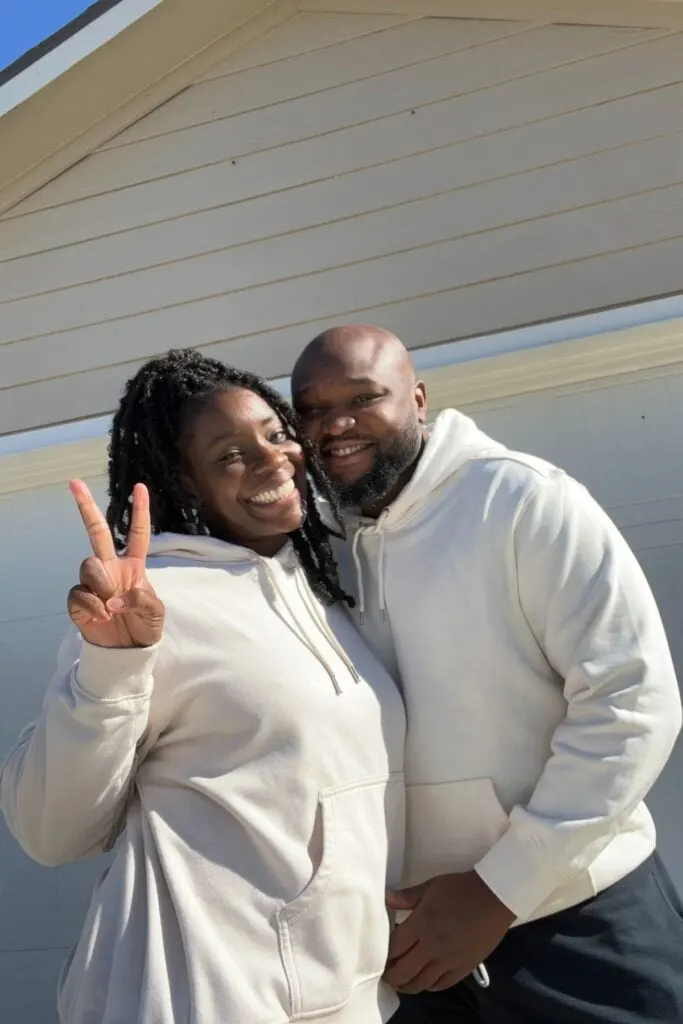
(454,441)
(288,590)
(194,548)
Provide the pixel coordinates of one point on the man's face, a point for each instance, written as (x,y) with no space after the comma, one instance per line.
(364,414)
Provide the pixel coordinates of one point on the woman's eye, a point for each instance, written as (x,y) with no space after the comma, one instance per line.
(280,436)
(229,457)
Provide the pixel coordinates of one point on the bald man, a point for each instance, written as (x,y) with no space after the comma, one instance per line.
(542,705)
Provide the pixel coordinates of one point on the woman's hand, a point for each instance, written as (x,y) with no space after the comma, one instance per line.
(115,605)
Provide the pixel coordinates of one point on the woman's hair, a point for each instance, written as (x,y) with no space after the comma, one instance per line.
(144,447)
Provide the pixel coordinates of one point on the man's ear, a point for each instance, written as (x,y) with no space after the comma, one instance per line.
(421,401)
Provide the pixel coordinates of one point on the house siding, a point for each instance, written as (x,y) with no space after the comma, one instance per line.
(444,177)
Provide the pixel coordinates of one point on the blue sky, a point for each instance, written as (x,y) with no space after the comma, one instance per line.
(23,23)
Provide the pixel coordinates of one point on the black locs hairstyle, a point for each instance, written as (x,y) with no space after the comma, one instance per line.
(144,448)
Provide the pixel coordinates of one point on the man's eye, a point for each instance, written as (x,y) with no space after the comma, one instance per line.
(364,399)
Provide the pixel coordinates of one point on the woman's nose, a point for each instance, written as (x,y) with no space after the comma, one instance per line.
(269,460)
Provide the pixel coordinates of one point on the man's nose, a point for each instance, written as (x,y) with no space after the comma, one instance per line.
(337,424)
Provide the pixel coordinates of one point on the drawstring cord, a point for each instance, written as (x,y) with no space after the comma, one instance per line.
(381,585)
(324,628)
(317,620)
(359,576)
(381,592)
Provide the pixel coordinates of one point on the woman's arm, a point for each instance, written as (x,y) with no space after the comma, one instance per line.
(66,780)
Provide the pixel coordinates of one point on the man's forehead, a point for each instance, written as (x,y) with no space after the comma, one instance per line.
(358,362)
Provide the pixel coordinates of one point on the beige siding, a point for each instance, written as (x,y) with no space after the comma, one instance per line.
(41,912)
(444,177)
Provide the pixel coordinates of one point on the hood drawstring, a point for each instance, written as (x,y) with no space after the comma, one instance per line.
(292,623)
(381,584)
(324,628)
(381,587)
(359,575)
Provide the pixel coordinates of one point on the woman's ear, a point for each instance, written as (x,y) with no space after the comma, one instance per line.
(187,484)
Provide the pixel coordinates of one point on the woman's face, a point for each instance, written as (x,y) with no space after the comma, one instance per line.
(244,470)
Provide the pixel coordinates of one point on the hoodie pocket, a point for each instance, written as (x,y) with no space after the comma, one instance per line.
(450,826)
(335,934)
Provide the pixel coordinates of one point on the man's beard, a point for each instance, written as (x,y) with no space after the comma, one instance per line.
(387,469)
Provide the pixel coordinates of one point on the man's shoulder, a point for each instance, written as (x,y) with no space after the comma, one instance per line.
(504,474)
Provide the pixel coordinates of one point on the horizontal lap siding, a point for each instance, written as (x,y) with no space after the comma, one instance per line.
(443,177)
(41,912)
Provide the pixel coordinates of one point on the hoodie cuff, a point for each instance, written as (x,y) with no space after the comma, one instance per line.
(116,674)
(517,873)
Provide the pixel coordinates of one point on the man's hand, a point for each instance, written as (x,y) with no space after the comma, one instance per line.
(456,922)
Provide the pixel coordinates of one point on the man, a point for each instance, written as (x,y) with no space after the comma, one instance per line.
(542,705)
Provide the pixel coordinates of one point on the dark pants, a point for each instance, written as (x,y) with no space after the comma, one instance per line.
(616,959)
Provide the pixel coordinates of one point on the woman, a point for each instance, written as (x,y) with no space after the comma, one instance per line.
(224,710)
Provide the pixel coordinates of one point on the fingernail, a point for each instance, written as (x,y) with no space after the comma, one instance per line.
(116,604)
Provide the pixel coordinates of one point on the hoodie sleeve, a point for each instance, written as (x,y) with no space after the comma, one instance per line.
(65,782)
(593,615)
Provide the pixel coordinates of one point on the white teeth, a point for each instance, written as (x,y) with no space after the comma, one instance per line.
(348,449)
(275,494)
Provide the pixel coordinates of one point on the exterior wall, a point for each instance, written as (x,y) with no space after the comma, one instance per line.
(41,909)
(444,177)
(619,436)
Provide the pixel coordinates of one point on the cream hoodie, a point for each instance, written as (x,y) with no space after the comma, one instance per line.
(541,697)
(258,750)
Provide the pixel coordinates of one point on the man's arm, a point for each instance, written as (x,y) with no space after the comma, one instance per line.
(589,606)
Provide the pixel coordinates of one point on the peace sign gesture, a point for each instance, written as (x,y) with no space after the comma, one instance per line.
(115,605)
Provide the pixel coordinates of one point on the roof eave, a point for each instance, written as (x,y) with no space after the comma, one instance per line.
(167,46)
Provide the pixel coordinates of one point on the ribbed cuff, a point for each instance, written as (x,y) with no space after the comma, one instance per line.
(517,873)
(116,673)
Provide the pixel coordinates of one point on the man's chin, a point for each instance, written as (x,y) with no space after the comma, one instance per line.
(359,493)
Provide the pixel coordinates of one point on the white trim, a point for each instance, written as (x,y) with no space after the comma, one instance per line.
(46,466)
(169,47)
(571,329)
(54,437)
(71,51)
(626,13)
(649,13)
(588,348)
(555,365)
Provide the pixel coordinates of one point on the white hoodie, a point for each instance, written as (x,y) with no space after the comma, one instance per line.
(541,697)
(259,749)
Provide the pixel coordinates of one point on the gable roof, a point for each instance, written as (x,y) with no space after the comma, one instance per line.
(122,58)
(108,72)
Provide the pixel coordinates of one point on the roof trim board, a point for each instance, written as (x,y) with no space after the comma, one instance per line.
(166,48)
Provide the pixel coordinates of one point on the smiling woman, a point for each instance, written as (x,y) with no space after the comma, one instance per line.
(244,470)
(206,438)
(215,714)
